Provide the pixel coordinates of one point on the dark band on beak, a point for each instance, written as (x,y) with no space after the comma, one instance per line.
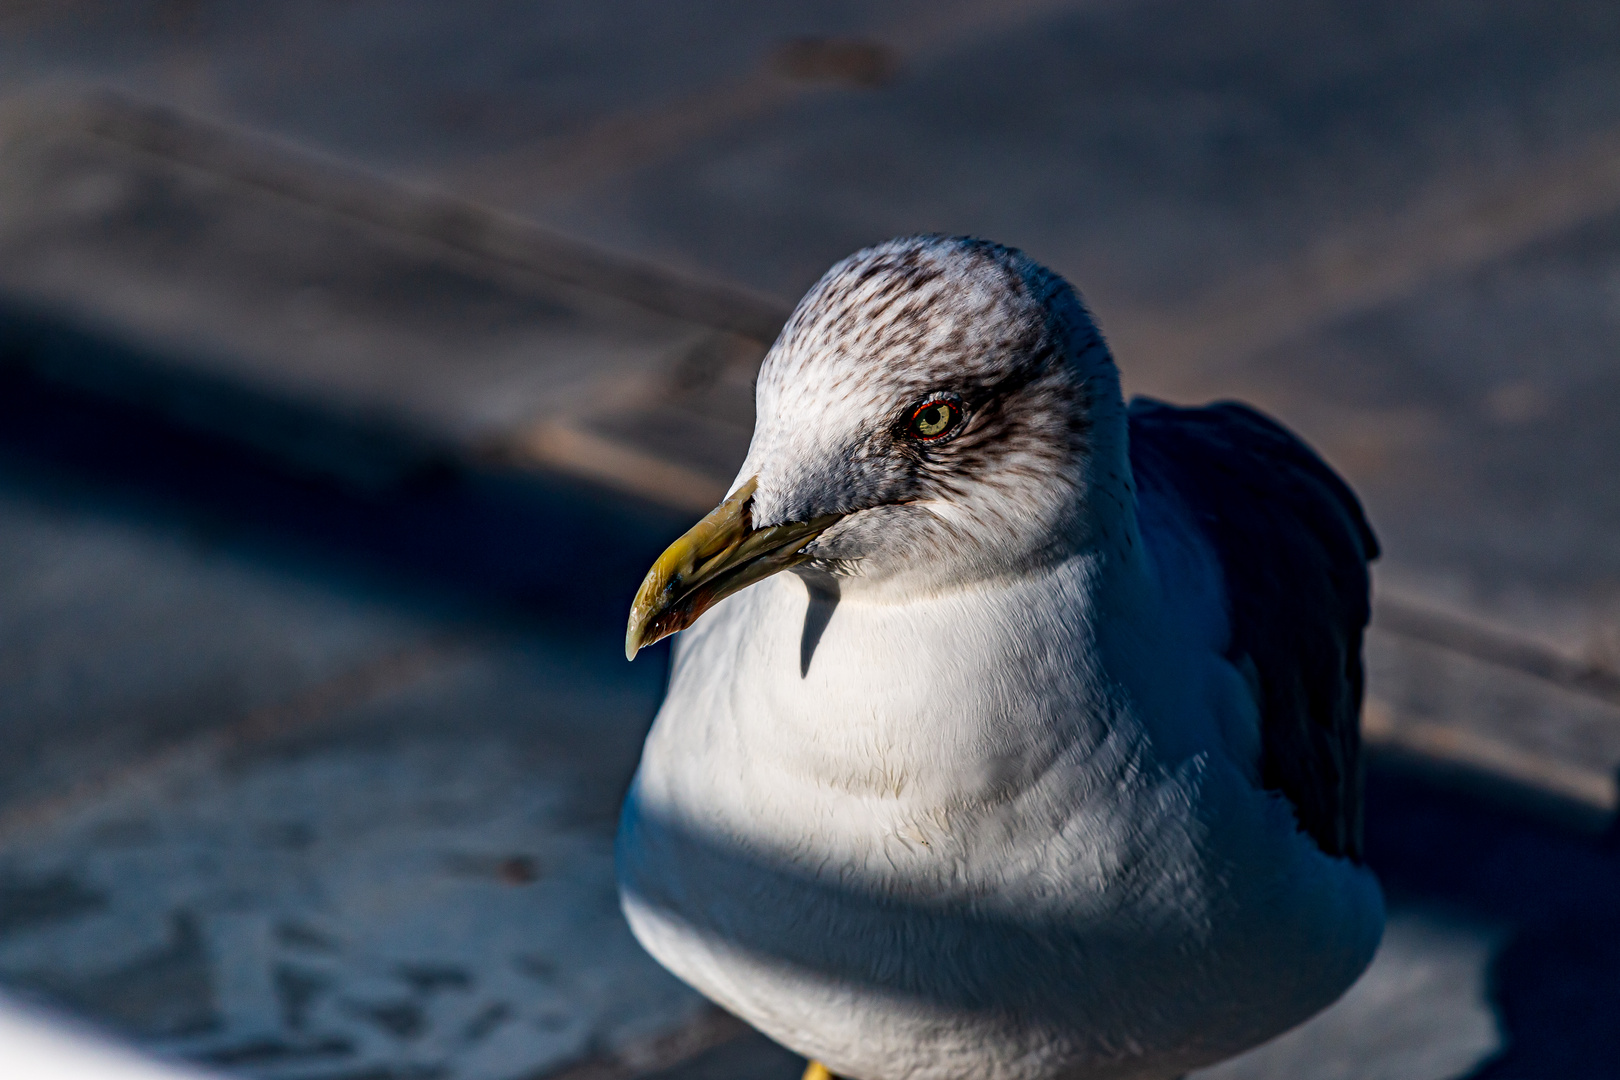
(718,556)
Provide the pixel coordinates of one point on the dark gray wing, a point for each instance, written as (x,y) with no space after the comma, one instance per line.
(1293,546)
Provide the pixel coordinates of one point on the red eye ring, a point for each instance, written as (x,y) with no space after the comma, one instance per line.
(935,418)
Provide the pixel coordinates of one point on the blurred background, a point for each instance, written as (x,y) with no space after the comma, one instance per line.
(356,358)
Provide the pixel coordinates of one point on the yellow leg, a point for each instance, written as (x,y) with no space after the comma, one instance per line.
(817,1071)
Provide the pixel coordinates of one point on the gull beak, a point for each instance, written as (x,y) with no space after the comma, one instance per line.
(718,556)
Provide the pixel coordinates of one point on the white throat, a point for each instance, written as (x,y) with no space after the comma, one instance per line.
(897,717)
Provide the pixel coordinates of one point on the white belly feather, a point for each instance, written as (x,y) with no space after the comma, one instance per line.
(927,857)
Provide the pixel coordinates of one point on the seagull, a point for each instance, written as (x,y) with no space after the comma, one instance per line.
(1041,760)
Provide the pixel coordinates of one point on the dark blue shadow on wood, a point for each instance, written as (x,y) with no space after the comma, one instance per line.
(534,543)
(1556,983)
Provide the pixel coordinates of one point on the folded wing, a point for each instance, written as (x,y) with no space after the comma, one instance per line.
(1293,546)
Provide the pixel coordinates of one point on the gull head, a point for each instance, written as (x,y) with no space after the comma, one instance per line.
(936,412)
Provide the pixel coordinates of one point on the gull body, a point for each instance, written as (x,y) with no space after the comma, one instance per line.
(987,784)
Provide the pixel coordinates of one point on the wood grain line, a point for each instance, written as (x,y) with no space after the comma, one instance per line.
(299,175)
(618,465)
(312,708)
(1462,224)
(1571,794)
(1403,617)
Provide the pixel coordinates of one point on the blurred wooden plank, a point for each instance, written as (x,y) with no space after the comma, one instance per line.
(1476,708)
(335,188)
(390,874)
(355,328)
(1465,221)
(122,640)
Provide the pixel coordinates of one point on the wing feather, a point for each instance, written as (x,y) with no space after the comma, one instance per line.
(1293,546)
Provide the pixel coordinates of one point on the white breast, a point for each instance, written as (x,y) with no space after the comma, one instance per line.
(975,837)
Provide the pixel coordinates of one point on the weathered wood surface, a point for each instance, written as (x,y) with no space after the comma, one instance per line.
(370,345)
(276,817)
(553,243)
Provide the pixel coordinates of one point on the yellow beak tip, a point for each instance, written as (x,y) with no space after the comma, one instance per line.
(718,556)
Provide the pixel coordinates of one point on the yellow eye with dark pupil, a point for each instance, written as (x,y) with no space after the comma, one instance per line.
(934,419)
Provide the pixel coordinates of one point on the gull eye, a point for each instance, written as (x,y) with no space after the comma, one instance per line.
(935,418)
